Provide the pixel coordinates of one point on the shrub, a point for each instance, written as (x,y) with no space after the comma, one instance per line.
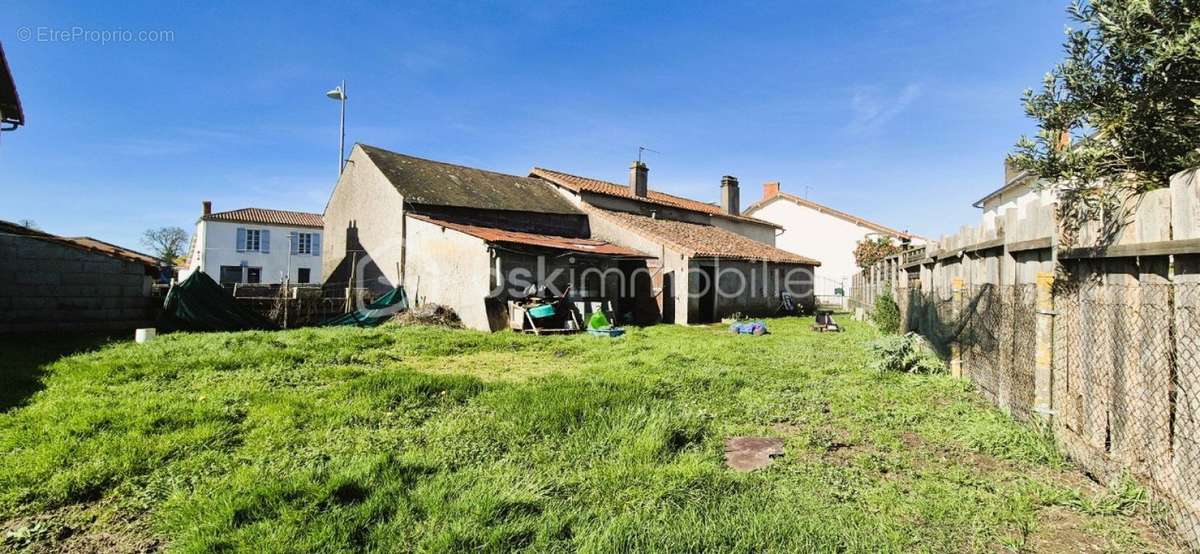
(904,353)
(869,251)
(887,313)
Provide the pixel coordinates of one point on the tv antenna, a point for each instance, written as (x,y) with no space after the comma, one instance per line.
(644,149)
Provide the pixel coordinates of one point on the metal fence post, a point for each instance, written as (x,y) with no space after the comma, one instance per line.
(956,285)
(1043,365)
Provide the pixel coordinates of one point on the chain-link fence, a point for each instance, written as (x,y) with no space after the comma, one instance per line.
(1124,368)
(1127,386)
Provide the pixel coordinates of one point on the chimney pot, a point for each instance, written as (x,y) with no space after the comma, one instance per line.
(770,189)
(207,207)
(638,173)
(730,199)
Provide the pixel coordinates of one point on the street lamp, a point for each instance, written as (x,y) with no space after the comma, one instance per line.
(339,94)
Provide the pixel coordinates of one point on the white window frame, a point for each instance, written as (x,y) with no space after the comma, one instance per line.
(253,240)
(304,243)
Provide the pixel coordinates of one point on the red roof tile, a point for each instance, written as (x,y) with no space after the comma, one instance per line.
(100,246)
(268,217)
(82,243)
(577,183)
(703,241)
(493,235)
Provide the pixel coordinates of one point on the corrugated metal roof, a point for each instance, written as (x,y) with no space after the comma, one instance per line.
(493,235)
(577,183)
(423,181)
(703,241)
(268,217)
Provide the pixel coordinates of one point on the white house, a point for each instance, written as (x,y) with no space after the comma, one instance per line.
(822,232)
(255,245)
(1021,188)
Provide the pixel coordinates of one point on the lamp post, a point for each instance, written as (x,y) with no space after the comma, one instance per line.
(339,94)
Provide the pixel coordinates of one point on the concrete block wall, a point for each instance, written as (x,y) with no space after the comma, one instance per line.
(46,286)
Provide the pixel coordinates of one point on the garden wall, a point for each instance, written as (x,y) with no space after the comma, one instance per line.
(48,285)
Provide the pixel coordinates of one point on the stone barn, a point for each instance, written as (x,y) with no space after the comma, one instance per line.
(710,261)
(469,239)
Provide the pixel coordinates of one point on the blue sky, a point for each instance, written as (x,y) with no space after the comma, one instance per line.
(899,112)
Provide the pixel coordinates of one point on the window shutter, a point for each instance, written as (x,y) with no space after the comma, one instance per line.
(294,241)
(241,239)
(316,244)
(266,241)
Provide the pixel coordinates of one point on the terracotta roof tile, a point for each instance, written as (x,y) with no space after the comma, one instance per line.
(268,217)
(82,243)
(97,245)
(577,183)
(493,235)
(703,240)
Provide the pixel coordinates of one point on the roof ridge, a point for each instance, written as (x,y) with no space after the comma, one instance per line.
(267,210)
(615,215)
(655,196)
(857,220)
(439,162)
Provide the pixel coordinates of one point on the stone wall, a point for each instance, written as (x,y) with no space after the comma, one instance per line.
(49,286)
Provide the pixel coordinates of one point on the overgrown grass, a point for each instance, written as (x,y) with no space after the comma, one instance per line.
(401,439)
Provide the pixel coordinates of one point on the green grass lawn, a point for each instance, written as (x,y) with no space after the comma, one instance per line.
(426,439)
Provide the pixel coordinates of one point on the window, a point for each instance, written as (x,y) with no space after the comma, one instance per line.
(253,274)
(253,240)
(307,244)
(231,274)
(304,243)
(303,275)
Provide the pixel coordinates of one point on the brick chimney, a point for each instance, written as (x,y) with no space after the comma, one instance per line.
(730,200)
(638,172)
(770,189)
(207,207)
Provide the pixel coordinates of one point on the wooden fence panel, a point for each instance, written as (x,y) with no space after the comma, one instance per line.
(1119,367)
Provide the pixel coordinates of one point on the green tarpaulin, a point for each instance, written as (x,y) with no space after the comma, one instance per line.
(375,313)
(199,304)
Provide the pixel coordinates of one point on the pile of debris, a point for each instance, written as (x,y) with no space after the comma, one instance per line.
(428,314)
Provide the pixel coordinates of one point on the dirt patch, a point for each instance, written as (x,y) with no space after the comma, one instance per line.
(76,529)
(936,456)
(1063,530)
(751,453)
